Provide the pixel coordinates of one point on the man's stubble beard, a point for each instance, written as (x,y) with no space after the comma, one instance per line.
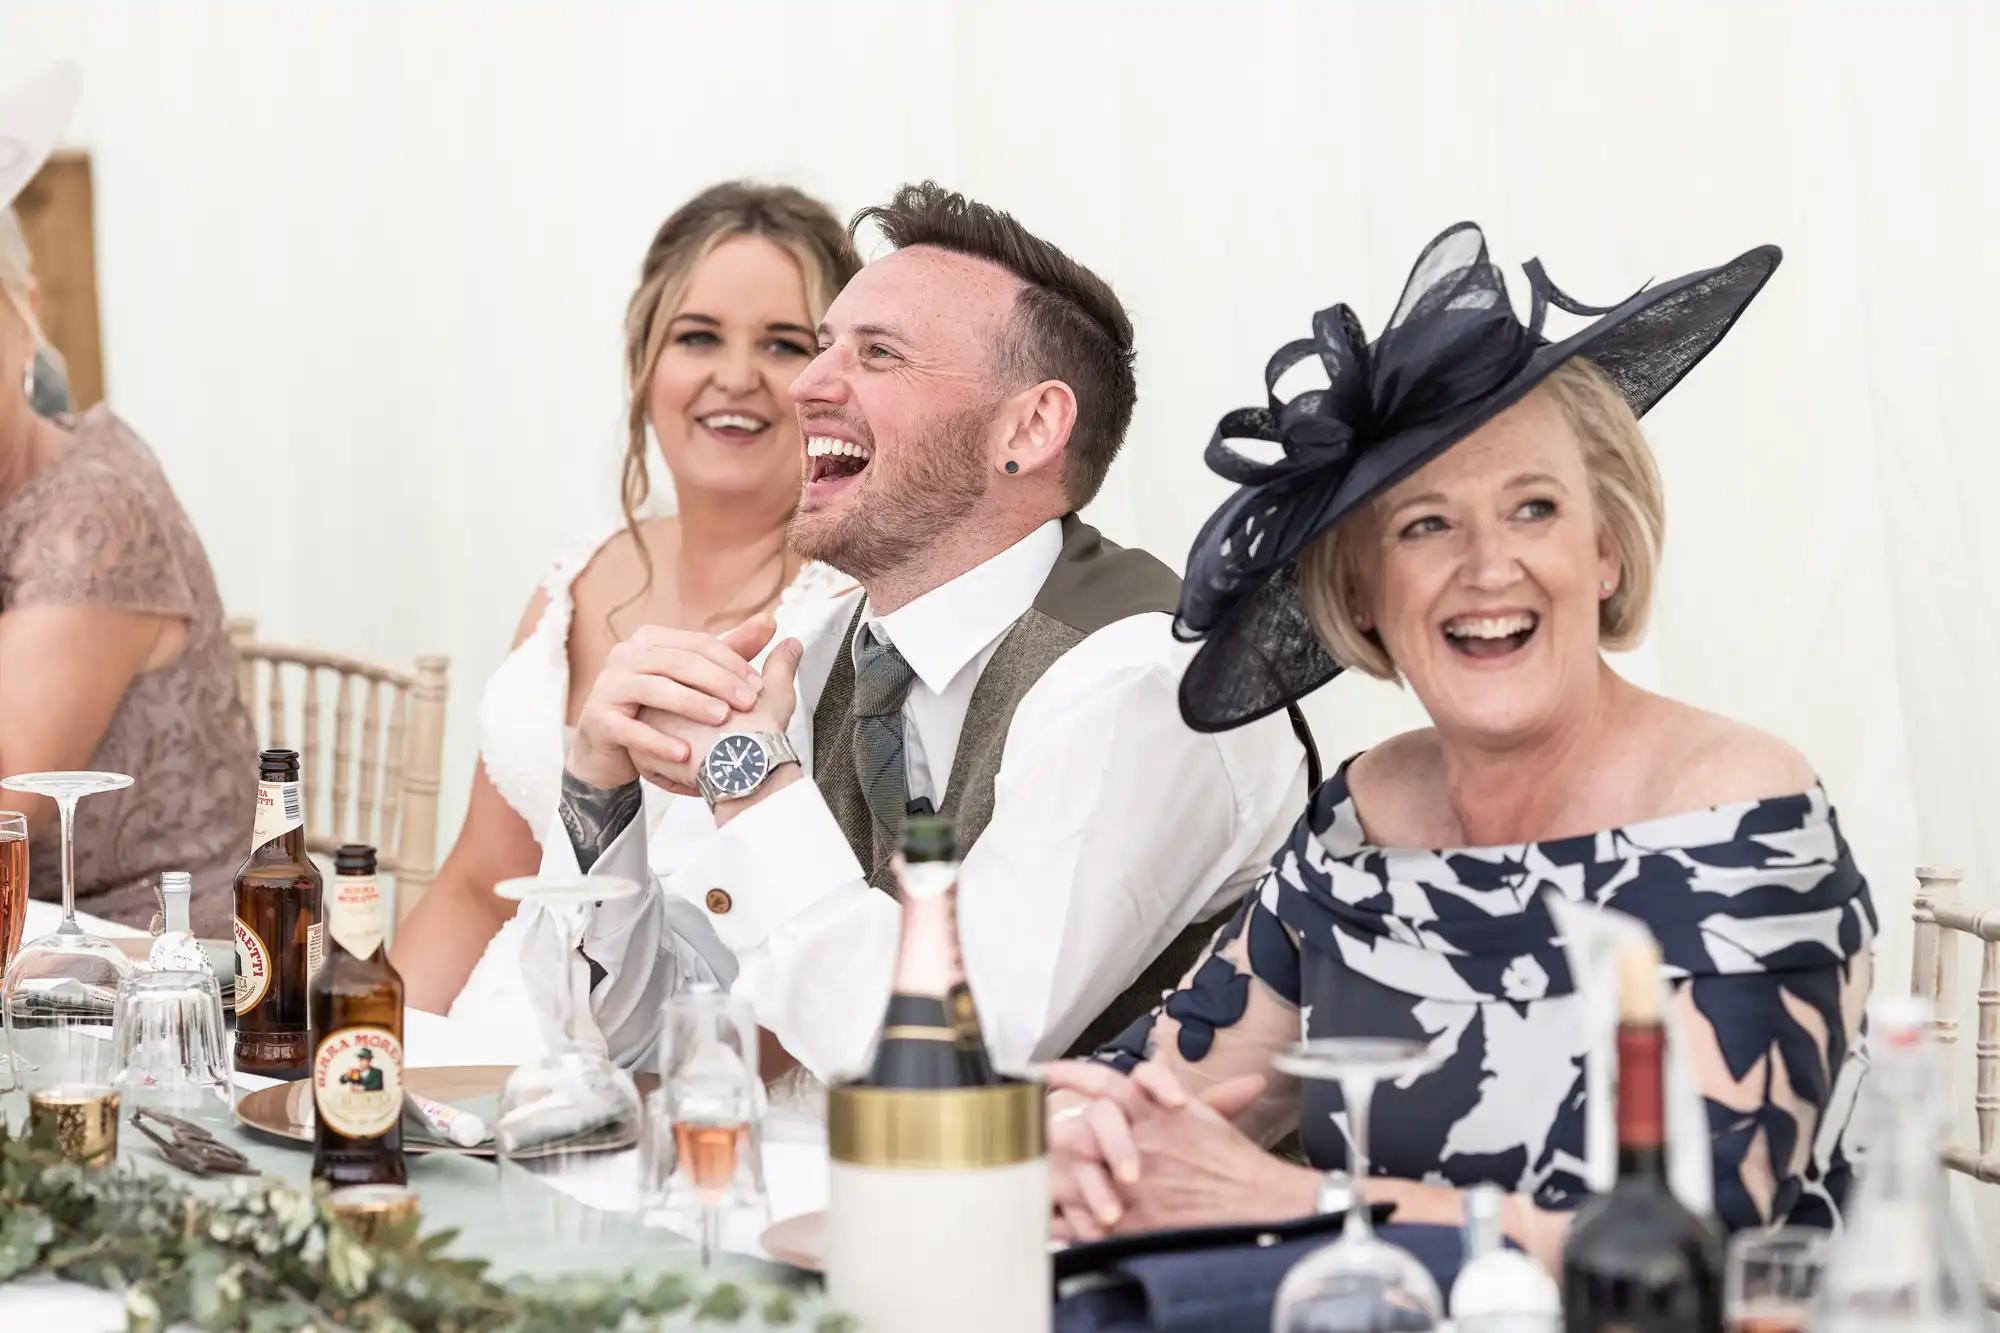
(935,485)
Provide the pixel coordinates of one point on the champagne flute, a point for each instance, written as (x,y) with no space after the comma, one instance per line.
(1360,1283)
(61,988)
(13,883)
(709,1093)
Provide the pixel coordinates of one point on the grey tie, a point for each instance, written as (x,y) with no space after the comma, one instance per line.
(881,683)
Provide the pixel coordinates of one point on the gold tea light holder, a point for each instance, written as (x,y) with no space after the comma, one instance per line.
(78,1120)
(371,1211)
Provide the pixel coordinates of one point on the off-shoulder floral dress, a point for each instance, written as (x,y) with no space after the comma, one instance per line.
(1764,923)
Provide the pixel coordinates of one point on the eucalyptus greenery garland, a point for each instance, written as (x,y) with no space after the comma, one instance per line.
(265,1258)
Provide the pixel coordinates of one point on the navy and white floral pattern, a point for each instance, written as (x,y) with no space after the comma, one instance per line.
(1764,924)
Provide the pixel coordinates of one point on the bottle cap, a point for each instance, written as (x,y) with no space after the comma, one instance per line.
(278,765)
(354,858)
(176,881)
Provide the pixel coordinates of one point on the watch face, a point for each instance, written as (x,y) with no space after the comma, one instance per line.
(736,765)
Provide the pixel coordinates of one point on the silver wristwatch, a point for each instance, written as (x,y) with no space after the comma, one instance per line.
(1336,1192)
(739,762)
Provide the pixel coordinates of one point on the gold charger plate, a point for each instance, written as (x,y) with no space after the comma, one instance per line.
(279,1109)
(799,1241)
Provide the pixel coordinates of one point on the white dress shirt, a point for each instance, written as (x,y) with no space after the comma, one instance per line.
(1114,825)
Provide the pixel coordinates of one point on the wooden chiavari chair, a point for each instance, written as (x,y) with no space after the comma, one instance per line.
(373,779)
(1940,917)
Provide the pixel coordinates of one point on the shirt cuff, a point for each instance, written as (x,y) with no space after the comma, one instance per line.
(604,929)
(771,862)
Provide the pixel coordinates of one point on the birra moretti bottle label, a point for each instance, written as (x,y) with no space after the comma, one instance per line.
(358,1081)
(253,968)
(354,914)
(281,807)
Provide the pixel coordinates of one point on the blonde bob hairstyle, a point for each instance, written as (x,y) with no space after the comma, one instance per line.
(1624,489)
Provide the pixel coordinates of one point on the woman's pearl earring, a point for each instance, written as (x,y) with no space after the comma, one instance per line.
(28,379)
(1607,586)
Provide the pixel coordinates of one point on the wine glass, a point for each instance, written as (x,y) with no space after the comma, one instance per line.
(568,1129)
(61,988)
(709,1103)
(1360,1283)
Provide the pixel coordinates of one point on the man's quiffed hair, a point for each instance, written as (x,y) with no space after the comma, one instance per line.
(1068,324)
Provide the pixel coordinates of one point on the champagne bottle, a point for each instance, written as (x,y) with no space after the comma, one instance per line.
(1499,1290)
(930,1132)
(1902,1262)
(278,939)
(356,1006)
(1637,1260)
(930,1035)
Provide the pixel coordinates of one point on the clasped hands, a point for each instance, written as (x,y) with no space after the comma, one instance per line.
(666,695)
(1139,1152)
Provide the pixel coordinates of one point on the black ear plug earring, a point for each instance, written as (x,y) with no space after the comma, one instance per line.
(1012,466)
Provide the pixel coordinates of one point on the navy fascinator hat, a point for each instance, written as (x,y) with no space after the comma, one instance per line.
(1453,357)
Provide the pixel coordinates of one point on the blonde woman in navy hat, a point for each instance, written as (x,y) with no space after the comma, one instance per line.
(1472,509)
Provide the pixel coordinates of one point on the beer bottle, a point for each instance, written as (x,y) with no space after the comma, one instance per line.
(356,1003)
(930,1036)
(278,940)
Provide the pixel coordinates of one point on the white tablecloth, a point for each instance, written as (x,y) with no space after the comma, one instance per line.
(45,917)
(794,1164)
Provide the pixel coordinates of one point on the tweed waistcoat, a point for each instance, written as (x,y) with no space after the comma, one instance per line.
(1094,583)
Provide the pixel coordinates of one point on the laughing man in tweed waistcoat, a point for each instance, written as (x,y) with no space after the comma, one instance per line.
(999,662)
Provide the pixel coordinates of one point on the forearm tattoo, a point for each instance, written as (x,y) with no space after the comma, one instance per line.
(595,816)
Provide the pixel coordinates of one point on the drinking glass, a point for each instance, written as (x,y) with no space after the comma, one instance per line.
(13,883)
(1360,1283)
(1771,1277)
(167,1046)
(706,1140)
(569,1125)
(61,987)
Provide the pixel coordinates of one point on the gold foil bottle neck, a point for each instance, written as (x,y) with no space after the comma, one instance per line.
(936,1129)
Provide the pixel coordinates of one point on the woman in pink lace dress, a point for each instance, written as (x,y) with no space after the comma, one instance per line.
(113,653)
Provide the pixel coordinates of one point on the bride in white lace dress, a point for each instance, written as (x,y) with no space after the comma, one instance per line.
(731,289)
